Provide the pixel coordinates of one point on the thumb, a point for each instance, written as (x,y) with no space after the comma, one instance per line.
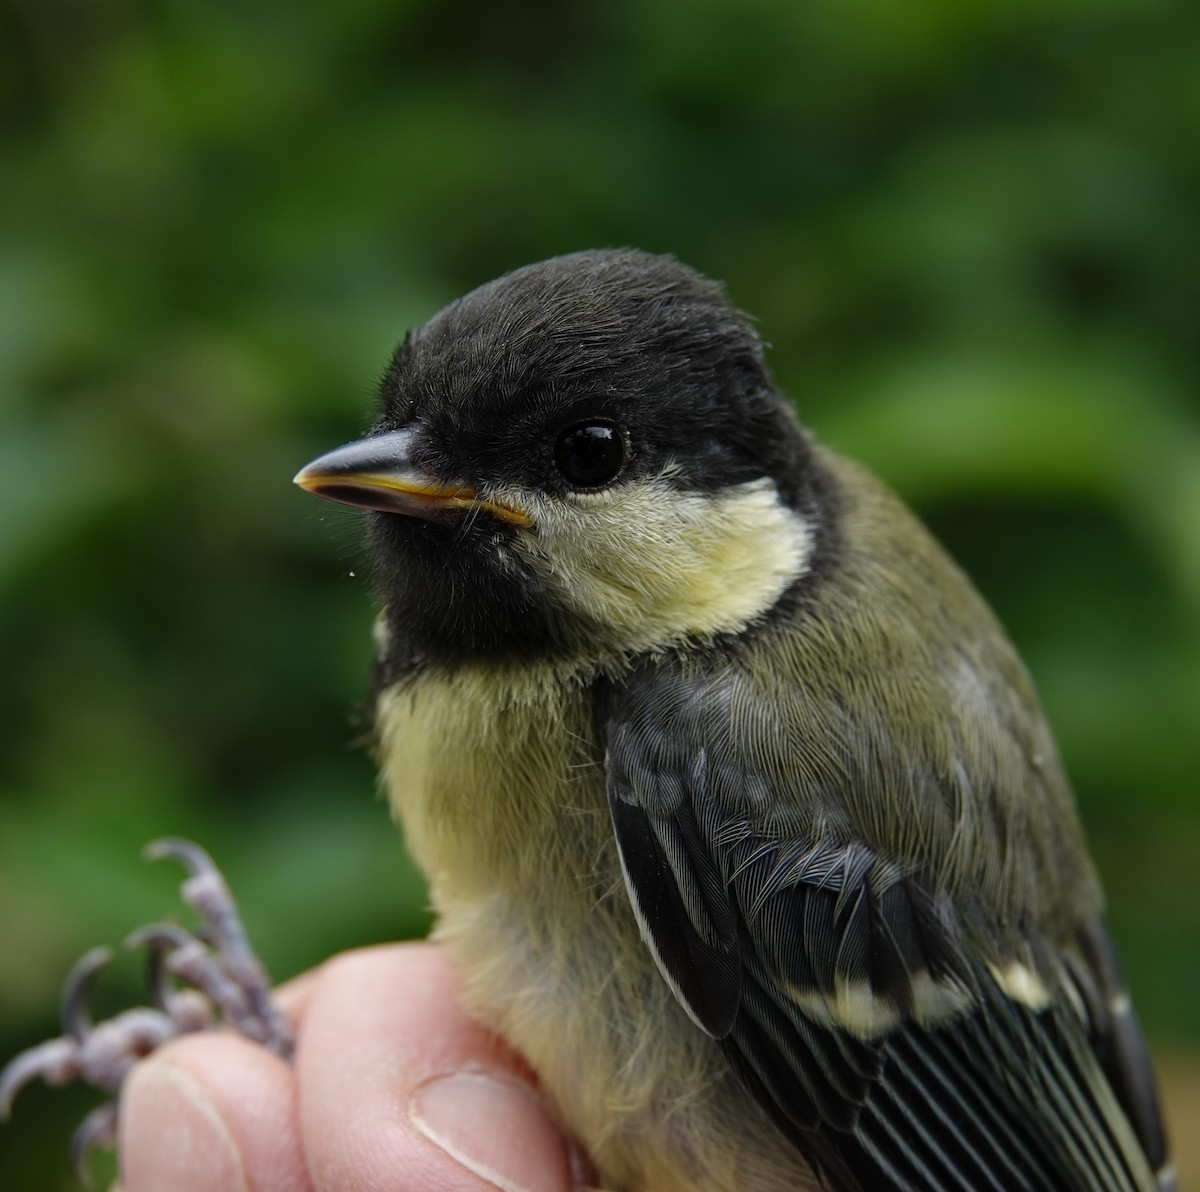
(400,1089)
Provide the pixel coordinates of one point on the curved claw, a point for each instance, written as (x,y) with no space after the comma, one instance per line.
(190,855)
(189,1009)
(205,891)
(159,937)
(76,994)
(230,974)
(216,961)
(56,1062)
(97,1130)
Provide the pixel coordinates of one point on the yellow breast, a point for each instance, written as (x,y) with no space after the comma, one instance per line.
(498,781)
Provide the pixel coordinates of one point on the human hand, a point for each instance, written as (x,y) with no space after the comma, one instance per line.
(393,1086)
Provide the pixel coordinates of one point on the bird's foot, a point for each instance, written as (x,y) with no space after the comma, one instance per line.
(223,981)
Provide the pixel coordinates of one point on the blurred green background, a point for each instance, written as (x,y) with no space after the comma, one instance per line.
(970,234)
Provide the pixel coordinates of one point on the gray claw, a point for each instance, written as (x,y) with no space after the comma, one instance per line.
(231,974)
(75,999)
(189,854)
(58,1061)
(216,960)
(163,938)
(55,1061)
(183,955)
(189,1009)
(97,1130)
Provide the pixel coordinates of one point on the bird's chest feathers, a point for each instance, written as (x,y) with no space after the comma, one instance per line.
(499,784)
(497,779)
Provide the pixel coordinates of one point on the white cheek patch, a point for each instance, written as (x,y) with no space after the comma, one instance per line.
(653,564)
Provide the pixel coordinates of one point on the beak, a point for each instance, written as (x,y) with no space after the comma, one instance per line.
(378,473)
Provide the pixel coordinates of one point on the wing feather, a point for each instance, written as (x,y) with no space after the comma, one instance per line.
(839,986)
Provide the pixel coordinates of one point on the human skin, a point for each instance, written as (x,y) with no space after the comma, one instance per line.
(393,1086)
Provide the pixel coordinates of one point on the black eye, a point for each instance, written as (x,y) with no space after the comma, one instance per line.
(590,454)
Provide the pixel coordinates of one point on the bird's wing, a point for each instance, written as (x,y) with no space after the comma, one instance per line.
(840,985)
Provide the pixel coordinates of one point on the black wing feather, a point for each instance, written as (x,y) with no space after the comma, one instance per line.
(758,921)
(702,963)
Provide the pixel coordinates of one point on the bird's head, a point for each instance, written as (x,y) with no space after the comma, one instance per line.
(585,457)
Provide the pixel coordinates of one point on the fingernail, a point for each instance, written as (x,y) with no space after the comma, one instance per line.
(496,1128)
(172,1135)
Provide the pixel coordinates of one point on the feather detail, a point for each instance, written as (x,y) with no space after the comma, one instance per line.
(897,1031)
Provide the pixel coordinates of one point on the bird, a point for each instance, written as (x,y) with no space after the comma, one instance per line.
(738,808)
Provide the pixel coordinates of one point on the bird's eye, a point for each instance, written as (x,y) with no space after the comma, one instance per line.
(590,454)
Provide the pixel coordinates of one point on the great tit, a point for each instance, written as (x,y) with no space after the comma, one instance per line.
(738,809)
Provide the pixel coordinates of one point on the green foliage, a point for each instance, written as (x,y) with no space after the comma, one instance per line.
(968,231)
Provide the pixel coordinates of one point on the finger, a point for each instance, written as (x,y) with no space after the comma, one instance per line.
(399,1089)
(211,1113)
(292,996)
